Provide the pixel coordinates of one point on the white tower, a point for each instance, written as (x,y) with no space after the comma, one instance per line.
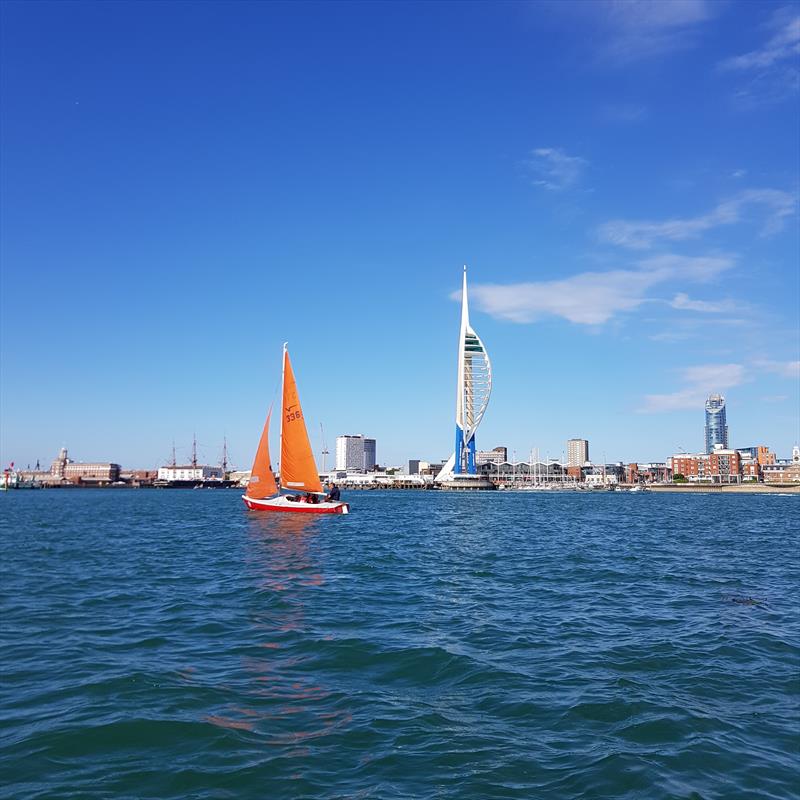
(473,387)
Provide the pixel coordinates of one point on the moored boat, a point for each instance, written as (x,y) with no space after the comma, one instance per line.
(298,470)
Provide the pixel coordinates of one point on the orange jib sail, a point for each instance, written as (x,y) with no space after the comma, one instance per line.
(262,479)
(298,468)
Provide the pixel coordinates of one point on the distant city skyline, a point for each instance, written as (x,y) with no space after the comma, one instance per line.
(185,186)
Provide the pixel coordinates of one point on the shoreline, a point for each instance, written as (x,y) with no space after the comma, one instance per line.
(691,488)
(728,488)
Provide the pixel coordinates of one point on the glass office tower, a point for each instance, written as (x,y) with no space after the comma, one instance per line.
(716,423)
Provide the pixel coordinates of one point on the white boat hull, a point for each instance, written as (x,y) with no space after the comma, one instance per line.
(282,503)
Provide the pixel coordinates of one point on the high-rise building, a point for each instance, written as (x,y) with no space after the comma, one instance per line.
(716,423)
(577,452)
(369,455)
(354,453)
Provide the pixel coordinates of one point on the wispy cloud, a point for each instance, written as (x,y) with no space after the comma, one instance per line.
(634,30)
(771,71)
(783,45)
(685,328)
(553,169)
(697,383)
(592,298)
(683,302)
(642,235)
(786,369)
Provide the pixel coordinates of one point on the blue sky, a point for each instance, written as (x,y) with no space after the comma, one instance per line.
(185,186)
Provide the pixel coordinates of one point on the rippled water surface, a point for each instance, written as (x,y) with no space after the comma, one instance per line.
(170,644)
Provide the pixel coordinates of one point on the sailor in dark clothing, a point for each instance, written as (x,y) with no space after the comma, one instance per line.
(333,493)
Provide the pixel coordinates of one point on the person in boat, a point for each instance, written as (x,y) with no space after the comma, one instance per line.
(333,493)
(292,498)
(310,498)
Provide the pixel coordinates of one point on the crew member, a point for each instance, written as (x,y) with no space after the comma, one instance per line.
(333,493)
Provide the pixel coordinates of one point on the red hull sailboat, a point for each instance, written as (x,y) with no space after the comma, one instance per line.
(298,470)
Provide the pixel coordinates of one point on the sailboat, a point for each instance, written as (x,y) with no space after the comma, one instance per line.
(298,470)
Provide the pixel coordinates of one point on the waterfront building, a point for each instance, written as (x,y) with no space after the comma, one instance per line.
(413,466)
(724,466)
(653,472)
(716,423)
(751,470)
(760,453)
(355,453)
(430,468)
(369,455)
(473,388)
(784,470)
(65,470)
(35,476)
(189,472)
(781,472)
(575,472)
(496,455)
(721,466)
(59,465)
(240,477)
(523,472)
(577,452)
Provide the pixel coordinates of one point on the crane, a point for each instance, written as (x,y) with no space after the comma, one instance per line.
(324,451)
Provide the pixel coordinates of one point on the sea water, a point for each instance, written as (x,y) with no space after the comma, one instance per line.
(171,644)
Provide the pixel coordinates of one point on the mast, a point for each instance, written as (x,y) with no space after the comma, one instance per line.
(174,461)
(194,449)
(283,410)
(224,455)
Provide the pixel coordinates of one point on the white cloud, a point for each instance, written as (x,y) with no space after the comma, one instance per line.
(683,302)
(554,169)
(697,269)
(698,383)
(592,298)
(642,235)
(771,71)
(774,398)
(687,327)
(639,29)
(783,45)
(786,369)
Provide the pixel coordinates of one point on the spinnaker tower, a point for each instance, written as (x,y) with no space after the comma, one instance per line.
(473,387)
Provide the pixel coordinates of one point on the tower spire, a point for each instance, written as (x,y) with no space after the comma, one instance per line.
(464,304)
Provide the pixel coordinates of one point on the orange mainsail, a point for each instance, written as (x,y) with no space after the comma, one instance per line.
(262,480)
(298,468)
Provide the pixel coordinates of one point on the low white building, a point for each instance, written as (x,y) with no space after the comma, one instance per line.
(200,472)
(599,479)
